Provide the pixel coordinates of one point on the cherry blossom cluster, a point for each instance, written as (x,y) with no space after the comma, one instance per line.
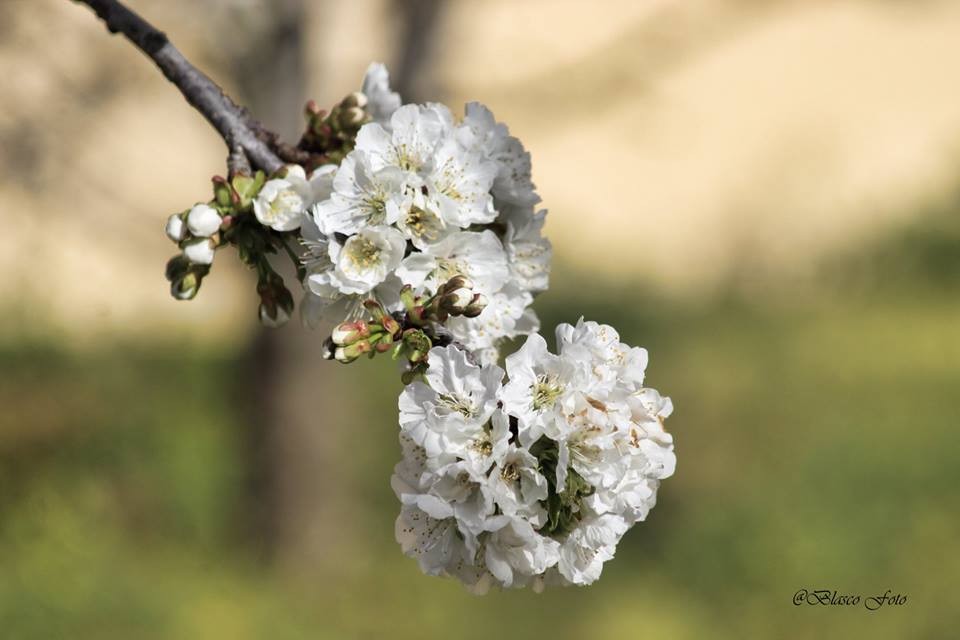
(415,232)
(530,481)
(386,200)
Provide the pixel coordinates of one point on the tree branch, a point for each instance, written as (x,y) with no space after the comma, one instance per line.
(234,124)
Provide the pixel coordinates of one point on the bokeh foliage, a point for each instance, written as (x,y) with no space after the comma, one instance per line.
(817,448)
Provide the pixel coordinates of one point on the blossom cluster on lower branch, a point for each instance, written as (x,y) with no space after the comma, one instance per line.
(530,481)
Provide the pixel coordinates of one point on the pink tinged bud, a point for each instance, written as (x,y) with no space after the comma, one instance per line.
(200,251)
(353,351)
(416,315)
(176,229)
(377,312)
(347,333)
(390,325)
(203,220)
(384,344)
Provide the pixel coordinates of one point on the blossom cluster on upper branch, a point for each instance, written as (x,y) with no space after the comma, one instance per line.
(391,197)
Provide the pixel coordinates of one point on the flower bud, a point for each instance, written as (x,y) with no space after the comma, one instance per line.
(408,298)
(222,193)
(456,302)
(245,189)
(177,266)
(176,229)
(419,345)
(385,343)
(377,312)
(413,373)
(186,287)
(390,325)
(476,306)
(454,283)
(352,117)
(347,333)
(356,99)
(417,315)
(203,220)
(353,351)
(312,109)
(200,251)
(274,317)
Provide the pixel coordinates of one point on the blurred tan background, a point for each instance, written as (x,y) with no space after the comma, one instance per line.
(762,192)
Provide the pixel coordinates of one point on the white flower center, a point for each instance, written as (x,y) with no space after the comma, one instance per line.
(423,224)
(287,202)
(376,205)
(448,268)
(463,406)
(406,159)
(510,473)
(545,391)
(362,252)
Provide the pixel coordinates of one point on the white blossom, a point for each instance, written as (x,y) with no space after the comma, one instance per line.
(363,261)
(517,485)
(415,132)
(540,390)
(321,182)
(477,255)
(420,221)
(513,184)
(459,182)
(449,411)
(588,546)
(528,252)
(282,201)
(434,540)
(515,552)
(381,100)
(361,197)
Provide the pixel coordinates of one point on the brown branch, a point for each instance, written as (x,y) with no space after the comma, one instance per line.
(233,123)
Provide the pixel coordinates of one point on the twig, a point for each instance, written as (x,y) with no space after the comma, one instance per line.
(232,122)
(237,162)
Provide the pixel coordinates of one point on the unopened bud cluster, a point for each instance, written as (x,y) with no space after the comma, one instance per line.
(410,333)
(331,135)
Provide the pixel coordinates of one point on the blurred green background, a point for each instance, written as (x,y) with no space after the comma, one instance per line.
(171,471)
